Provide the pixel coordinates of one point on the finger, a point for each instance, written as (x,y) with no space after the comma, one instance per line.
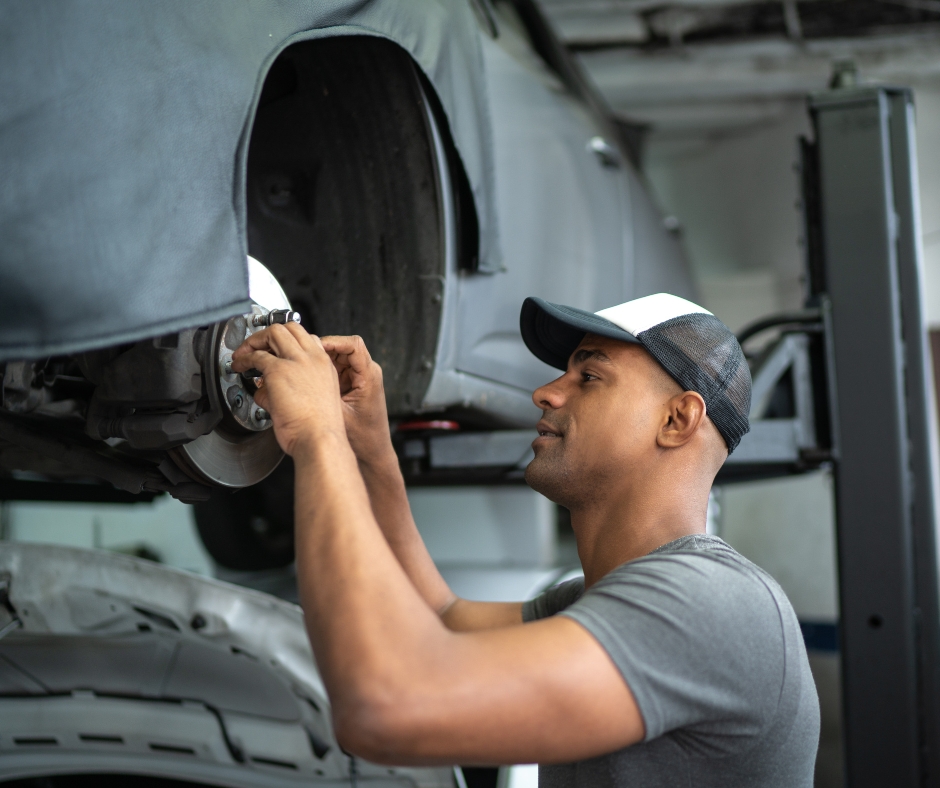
(276,339)
(261,397)
(284,343)
(304,338)
(340,364)
(257,341)
(262,360)
(346,381)
(352,347)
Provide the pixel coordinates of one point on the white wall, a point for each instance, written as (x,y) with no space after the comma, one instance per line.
(736,199)
(495,526)
(787,526)
(164,527)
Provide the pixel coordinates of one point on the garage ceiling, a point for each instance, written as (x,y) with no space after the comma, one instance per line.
(690,68)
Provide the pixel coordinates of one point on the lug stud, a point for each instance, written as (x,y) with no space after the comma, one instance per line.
(281,316)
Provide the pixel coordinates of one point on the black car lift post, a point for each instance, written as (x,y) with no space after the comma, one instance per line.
(863,242)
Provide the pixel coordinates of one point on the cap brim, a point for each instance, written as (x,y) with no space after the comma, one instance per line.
(553,331)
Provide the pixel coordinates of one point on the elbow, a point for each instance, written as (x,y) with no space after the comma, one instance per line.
(377,727)
(352,727)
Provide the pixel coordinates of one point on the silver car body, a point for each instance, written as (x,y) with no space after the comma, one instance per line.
(575,227)
(119,665)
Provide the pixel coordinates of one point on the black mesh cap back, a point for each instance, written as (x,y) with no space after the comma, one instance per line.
(702,354)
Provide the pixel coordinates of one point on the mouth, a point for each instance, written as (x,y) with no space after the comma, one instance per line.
(546,432)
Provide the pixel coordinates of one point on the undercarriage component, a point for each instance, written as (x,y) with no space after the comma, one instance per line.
(86,461)
(151,395)
(48,387)
(162,415)
(155,430)
(241,450)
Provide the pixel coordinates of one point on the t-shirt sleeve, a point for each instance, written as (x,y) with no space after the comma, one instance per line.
(553,600)
(699,641)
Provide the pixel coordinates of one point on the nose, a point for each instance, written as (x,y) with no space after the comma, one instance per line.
(550,396)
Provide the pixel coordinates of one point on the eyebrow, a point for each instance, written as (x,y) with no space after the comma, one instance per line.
(587,354)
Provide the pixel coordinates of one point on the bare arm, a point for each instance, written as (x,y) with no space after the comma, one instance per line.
(405,689)
(366,421)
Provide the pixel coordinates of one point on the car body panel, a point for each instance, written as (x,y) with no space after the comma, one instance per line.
(575,228)
(123,665)
(123,137)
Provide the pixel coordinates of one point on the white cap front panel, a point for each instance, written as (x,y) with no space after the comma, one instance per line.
(643,313)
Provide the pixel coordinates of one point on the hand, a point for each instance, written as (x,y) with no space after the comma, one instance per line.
(300,387)
(363,398)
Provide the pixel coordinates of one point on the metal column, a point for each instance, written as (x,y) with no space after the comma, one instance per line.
(869,266)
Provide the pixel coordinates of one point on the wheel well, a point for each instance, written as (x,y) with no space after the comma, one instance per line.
(344,203)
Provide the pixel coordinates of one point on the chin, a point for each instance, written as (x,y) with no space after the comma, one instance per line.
(546,478)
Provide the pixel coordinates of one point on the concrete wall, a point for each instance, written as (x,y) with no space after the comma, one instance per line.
(494,544)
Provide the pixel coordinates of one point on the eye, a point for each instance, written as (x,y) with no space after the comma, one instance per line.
(586,376)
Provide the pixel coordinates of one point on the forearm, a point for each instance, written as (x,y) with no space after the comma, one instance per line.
(464,615)
(358,604)
(389,500)
(403,689)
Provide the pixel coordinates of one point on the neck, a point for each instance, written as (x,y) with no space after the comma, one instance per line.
(632,522)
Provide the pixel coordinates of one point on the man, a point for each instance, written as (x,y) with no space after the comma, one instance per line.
(677,662)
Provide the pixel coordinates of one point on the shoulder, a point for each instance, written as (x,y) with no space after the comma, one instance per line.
(699,572)
(698,632)
(707,595)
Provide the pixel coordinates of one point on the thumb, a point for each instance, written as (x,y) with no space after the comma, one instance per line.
(261,398)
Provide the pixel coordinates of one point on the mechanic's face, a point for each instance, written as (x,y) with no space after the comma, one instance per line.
(600,421)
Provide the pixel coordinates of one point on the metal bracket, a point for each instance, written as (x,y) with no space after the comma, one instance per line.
(781,438)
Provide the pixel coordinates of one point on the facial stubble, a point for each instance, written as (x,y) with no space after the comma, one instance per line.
(553,474)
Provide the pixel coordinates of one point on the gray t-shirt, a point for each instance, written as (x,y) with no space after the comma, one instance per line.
(712,651)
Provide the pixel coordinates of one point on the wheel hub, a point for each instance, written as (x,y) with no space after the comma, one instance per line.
(242,449)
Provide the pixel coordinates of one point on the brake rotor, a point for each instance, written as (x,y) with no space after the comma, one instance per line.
(242,449)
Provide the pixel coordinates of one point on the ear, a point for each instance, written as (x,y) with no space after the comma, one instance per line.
(684,415)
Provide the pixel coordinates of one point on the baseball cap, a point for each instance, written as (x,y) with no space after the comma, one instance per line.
(688,341)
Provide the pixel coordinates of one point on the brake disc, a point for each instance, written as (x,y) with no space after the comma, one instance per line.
(242,449)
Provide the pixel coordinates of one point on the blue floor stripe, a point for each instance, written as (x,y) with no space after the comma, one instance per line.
(820,636)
